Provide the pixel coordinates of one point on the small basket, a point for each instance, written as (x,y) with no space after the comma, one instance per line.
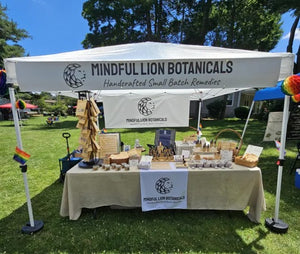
(191,138)
(119,158)
(239,160)
(230,145)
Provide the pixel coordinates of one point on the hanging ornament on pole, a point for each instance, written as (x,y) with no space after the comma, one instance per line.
(296,98)
(20,104)
(291,85)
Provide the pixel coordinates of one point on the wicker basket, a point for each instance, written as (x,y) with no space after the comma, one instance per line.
(239,160)
(191,138)
(119,158)
(229,145)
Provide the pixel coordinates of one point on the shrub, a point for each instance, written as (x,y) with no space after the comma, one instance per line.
(241,112)
(215,108)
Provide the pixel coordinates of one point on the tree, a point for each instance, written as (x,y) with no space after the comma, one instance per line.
(245,24)
(10,34)
(114,22)
(197,22)
(289,5)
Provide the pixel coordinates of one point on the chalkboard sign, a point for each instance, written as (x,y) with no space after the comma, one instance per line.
(165,137)
(293,130)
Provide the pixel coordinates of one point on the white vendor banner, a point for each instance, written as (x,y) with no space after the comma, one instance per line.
(140,111)
(161,189)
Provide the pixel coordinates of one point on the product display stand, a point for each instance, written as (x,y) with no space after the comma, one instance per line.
(87,112)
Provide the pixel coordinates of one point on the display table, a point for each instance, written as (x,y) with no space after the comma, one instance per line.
(208,188)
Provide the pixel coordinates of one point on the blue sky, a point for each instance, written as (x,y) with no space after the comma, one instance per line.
(57,25)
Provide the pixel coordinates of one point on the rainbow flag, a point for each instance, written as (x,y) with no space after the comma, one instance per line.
(20,156)
(278,145)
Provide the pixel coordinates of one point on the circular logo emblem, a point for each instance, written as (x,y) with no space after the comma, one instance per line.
(163,185)
(146,106)
(74,76)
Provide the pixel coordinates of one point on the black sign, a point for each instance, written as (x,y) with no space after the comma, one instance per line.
(293,130)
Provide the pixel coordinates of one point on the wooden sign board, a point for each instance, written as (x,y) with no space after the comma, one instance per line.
(109,143)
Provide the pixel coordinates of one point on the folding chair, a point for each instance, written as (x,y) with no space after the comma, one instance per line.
(293,167)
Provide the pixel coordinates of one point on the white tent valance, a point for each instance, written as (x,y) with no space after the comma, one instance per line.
(149,65)
(194,94)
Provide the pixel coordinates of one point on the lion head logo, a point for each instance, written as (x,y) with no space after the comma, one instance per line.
(163,185)
(146,106)
(74,76)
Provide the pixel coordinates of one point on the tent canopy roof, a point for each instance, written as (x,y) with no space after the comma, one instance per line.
(270,93)
(149,65)
(150,51)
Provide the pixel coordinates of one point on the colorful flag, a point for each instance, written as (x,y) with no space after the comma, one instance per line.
(20,156)
(103,130)
(278,145)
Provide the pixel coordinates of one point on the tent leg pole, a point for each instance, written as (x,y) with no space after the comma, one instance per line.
(275,224)
(199,120)
(249,114)
(32,226)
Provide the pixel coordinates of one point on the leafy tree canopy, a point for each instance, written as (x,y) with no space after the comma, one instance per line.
(245,24)
(248,24)
(10,34)
(115,22)
(284,5)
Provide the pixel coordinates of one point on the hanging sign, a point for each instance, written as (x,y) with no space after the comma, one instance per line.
(163,189)
(140,111)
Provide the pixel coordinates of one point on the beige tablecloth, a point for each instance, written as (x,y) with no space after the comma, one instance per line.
(218,189)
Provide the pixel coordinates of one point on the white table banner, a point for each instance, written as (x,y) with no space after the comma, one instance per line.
(163,189)
(136,111)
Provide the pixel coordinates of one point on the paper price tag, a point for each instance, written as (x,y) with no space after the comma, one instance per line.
(256,150)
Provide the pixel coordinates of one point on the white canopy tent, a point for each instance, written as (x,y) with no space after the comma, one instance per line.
(151,65)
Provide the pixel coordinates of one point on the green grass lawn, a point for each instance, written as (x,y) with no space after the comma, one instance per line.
(131,231)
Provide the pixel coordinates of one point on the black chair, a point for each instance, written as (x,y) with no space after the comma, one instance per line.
(293,167)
